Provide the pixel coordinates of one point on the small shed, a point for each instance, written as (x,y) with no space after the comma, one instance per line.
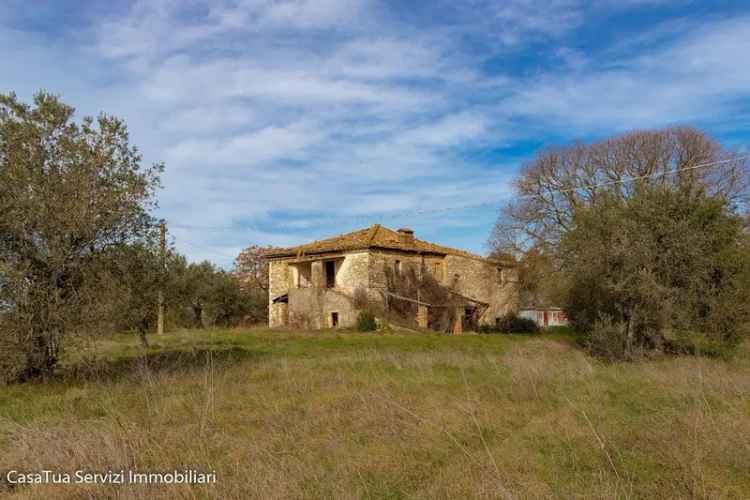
(544,316)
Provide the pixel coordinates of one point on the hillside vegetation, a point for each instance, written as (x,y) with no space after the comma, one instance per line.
(351,415)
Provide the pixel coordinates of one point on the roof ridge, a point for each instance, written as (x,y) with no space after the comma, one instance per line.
(376,236)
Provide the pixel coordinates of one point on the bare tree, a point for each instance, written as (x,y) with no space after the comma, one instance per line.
(562,180)
(539,278)
(251,268)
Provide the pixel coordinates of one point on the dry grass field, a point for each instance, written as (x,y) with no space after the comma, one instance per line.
(350,415)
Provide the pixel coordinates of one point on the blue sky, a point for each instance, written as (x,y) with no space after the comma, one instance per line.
(288,120)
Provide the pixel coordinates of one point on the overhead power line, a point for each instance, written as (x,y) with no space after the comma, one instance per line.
(647,176)
(456,208)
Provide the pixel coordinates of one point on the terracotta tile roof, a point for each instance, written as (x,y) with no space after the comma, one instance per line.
(375,237)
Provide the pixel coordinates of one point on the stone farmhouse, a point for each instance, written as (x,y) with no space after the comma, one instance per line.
(314,285)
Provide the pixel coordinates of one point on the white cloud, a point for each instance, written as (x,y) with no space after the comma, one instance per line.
(307,14)
(516,19)
(284,120)
(206,119)
(460,129)
(382,58)
(247,149)
(693,78)
(181,79)
(153,28)
(342,129)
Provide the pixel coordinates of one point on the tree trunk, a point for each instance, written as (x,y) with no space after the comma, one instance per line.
(632,318)
(42,359)
(142,328)
(198,315)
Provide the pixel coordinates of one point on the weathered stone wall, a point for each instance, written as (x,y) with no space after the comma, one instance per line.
(279,279)
(484,281)
(311,307)
(473,277)
(353,270)
(380,260)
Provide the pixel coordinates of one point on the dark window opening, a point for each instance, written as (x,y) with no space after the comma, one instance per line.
(397,267)
(304,275)
(334,320)
(470,318)
(330,274)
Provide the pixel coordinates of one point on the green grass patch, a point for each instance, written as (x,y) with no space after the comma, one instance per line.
(346,414)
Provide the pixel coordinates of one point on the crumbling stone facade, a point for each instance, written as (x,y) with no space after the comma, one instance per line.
(314,286)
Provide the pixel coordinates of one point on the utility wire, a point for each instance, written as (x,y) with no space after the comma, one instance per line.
(428,211)
(647,176)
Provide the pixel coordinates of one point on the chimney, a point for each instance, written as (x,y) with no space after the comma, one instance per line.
(405,235)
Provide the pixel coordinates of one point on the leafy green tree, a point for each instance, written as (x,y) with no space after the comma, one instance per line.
(69,192)
(129,278)
(665,265)
(195,289)
(230,302)
(213,296)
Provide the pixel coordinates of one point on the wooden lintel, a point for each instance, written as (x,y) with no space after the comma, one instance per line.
(310,258)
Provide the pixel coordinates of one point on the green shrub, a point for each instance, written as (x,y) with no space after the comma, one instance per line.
(607,340)
(696,344)
(560,329)
(487,329)
(366,322)
(510,323)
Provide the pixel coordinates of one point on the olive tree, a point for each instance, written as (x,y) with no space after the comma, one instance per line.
(69,192)
(666,267)
(212,296)
(195,289)
(127,280)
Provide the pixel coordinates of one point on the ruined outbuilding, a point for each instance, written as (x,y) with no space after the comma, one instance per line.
(321,284)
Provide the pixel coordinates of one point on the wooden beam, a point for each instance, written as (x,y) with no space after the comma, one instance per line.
(467,298)
(419,302)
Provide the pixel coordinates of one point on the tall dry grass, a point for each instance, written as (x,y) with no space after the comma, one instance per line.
(300,416)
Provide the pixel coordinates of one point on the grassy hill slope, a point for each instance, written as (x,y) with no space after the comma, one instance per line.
(350,415)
